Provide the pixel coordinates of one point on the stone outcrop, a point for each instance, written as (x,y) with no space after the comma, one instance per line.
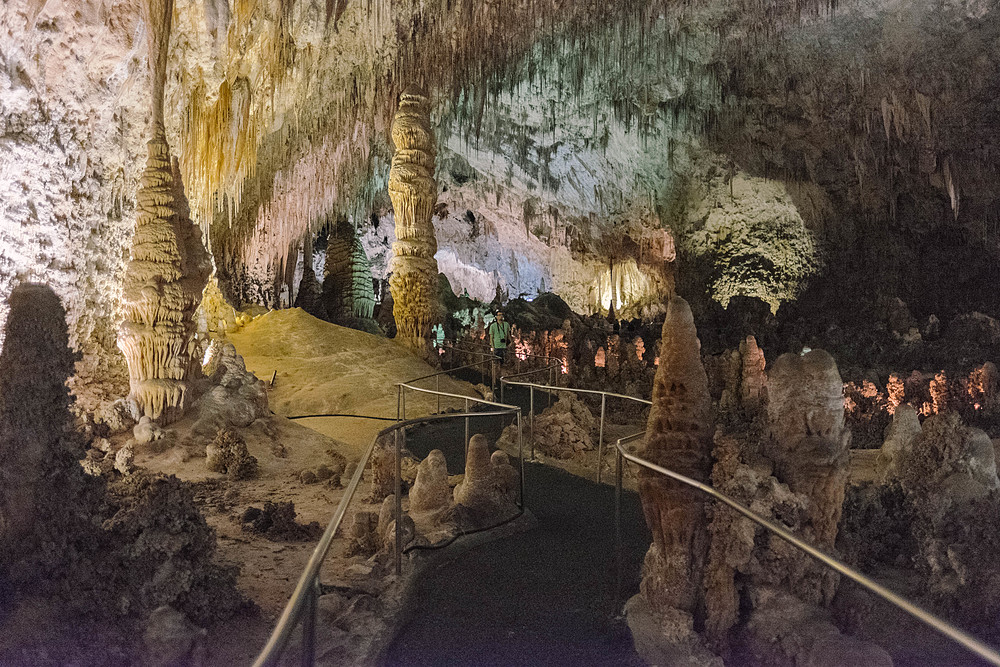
(348,294)
(236,397)
(486,490)
(679,437)
(310,295)
(753,382)
(228,454)
(38,449)
(413,191)
(905,427)
(809,446)
(168,266)
(430,492)
(564,429)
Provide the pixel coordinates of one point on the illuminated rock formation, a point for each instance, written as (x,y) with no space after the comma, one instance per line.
(347,278)
(430,492)
(679,437)
(485,491)
(413,192)
(753,384)
(809,446)
(168,265)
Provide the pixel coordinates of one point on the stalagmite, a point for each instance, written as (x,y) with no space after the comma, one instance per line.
(347,278)
(809,445)
(168,265)
(413,192)
(680,438)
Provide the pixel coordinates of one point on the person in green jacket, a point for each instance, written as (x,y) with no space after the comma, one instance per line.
(498,334)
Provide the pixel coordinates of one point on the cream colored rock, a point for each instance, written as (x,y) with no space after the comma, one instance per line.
(905,427)
(413,191)
(487,490)
(430,492)
(809,446)
(753,380)
(679,436)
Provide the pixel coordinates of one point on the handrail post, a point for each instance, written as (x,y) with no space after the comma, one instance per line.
(309,626)
(399,397)
(520,458)
(466,430)
(619,559)
(549,392)
(404,401)
(400,434)
(531,418)
(600,440)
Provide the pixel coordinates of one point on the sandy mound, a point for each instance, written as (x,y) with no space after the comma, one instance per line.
(324,368)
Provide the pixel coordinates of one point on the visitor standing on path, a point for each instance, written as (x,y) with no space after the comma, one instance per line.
(498,334)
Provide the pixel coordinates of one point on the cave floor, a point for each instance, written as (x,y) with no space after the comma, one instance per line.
(543,597)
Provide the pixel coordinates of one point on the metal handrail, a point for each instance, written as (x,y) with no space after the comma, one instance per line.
(951,632)
(309,588)
(549,388)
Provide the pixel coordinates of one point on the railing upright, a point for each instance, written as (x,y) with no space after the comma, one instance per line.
(600,439)
(400,435)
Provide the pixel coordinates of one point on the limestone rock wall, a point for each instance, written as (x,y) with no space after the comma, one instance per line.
(809,446)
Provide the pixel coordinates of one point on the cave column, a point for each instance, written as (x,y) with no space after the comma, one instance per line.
(413,191)
(168,265)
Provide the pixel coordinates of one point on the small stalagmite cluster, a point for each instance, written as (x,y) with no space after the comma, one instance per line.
(680,438)
(413,191)
(168,265)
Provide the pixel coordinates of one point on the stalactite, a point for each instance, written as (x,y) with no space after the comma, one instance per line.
(168,266)
(413,191)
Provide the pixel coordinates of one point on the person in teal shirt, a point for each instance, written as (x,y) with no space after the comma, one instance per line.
(498,334)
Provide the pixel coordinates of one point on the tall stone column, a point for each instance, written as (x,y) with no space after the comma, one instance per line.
(413,192)
(679,437)
(168,264)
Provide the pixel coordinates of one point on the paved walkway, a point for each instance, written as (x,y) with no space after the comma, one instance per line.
(544,597)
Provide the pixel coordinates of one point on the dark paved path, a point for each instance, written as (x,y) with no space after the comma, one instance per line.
(544,597)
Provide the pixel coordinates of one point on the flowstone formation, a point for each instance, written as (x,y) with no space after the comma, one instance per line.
(680,438)
(766,600)
(168,266)
(413,191)
(348,295)
(809,446)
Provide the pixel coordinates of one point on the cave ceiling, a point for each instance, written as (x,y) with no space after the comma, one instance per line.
(584,123)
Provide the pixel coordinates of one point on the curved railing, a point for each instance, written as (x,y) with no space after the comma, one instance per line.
(966,640)
(301,606)
(549,388)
